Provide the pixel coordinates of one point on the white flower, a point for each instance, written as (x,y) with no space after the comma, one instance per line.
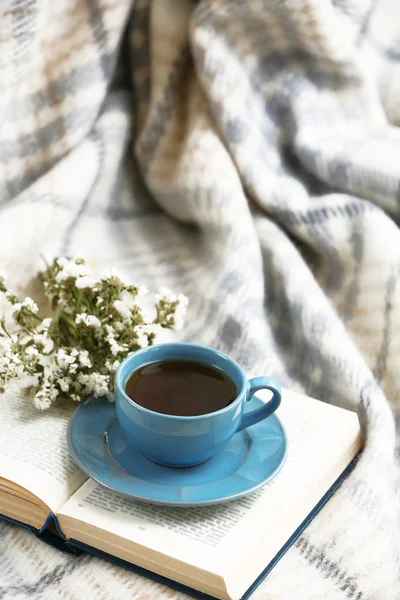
(64,383)
(84,359)
(94,383)
(180,311)
(115,274)
(46,323)
(115,365)
(5,362)
(43,342)
(141,335)
(145,308)
(122,309)
(16,308)
(69,269)
(62,262)
(88,320)
(164,293)
(115,347)
(120,326)
(5,345)
(63,359)
(126,298)
(41,401)
(32,351)
(85,283)
(141,339)
(30,304)
(46,395)
(93,321)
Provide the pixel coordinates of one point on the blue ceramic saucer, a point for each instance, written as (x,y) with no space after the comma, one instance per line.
(250,460)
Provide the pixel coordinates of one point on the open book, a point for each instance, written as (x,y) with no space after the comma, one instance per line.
(219,550)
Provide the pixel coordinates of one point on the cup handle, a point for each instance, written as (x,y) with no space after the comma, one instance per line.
(261,383)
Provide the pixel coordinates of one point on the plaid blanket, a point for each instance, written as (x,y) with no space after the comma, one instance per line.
(245,153)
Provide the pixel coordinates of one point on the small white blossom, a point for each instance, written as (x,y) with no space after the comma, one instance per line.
(94,383)
(64,360)
(120,326)
(164,293)
(88,320)
(5,362)
(69,269)
(46,323)
(41,401)
(114,273)
(180,311)
(62,262)
(16,308)
(85,283)
(141,336)
(80,318)
(46,395)
(64,383)
(126,298)
(115,347)
(122,309)
(32,351)
(84,359)
(30,304)
(43,342)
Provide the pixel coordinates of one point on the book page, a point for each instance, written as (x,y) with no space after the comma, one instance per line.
(208,537)
(33,449)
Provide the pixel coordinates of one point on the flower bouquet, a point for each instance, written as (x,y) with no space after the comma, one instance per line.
(95,323)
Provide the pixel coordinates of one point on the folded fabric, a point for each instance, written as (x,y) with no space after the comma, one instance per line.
(245,153)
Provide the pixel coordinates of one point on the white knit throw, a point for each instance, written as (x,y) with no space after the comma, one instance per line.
(246,153)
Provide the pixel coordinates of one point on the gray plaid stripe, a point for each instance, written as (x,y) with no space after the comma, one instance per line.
(318,559)
(151,139)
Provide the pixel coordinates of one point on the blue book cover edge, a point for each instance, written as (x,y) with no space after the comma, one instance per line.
(74,547)
(200,595)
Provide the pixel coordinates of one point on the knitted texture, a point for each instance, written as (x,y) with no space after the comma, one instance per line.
(245,153)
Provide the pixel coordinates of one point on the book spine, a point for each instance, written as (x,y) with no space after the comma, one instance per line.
(50,533)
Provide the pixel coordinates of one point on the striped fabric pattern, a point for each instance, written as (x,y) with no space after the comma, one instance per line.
(245,153)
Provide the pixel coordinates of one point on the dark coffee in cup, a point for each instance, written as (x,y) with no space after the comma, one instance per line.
(181,387)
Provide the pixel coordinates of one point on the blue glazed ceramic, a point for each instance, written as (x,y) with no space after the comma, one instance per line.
(186,441)
(248,461)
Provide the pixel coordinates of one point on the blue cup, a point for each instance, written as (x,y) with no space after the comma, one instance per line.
(181,441)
